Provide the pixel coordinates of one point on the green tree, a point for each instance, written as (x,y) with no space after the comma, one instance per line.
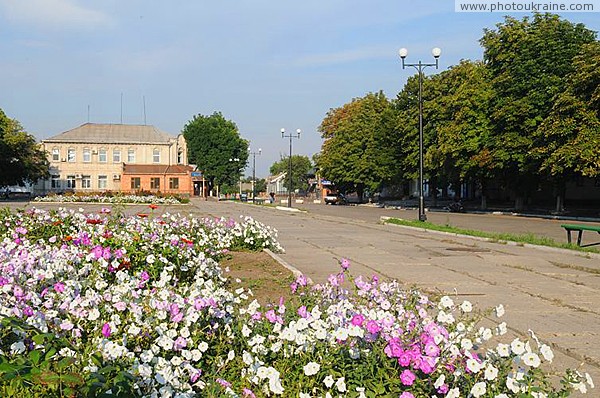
(459,125)
(301,165)
(215,146)
(358,149)
(528,61)
(21,158)
(570,135)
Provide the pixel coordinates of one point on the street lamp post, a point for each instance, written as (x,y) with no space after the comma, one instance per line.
(436,52)
(236,160)
(254,173)
(290,136)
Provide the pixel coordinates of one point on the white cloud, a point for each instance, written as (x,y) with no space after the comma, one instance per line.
(56,14)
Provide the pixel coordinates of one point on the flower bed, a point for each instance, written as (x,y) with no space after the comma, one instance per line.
(107,305)
(112,198)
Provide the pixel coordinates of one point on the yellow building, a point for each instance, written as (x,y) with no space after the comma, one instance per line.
(92,157)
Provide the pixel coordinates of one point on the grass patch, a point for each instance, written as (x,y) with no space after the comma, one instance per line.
(528,238)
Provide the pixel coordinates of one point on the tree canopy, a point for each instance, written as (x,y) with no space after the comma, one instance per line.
(216,148)
(21,158)
(301,165)
(529,61)
(358,149)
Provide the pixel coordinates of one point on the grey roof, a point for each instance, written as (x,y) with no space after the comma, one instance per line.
(112,133)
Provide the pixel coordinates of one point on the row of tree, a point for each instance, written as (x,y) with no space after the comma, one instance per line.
(528,113)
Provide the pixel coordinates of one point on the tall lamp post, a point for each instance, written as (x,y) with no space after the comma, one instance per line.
(236,160)
(290,136)
(254,172)
(436,52)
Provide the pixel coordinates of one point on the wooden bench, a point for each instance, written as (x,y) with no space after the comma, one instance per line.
(580,228)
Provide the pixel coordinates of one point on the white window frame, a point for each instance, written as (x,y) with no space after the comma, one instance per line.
(102,155)
(131,155)
(71,183)
(71,155)
(86,182)
(156,155)
(55,181)
(102,182)
(116,156)
(56,154)
(87,155)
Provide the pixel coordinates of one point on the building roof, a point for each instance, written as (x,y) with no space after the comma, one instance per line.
(156,169)
(113,133)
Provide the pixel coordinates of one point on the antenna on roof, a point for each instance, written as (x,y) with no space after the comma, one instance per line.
(121,108)
(144,99)
(88,113)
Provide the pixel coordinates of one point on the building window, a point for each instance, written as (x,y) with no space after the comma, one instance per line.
(180,157)
(102,155)
(55,181)
(86,182)
(154,183)
(135,183)
(173,183)
(71,181)
(55,154)
(102,182)
(156,156)
(87,155)
(131,156)
(116,156)
(71,155)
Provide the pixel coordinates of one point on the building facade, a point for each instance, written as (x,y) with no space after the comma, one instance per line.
(93,158)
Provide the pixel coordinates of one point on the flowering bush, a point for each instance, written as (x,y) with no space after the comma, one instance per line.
(106,305)
(118,198)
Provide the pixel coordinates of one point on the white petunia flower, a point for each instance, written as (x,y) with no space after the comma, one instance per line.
(311,368)
(341,384)
(466,306)
(531,359)
(517,346)
(328,381)
(546,352)
(478,389)
(491,372)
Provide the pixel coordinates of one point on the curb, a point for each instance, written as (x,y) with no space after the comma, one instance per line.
(491,240)
(289,267)
(292,209)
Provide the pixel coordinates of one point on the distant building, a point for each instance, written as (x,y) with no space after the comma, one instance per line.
(117,157)
(276,184)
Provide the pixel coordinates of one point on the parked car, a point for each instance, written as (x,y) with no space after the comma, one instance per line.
(15,191)
(335,199)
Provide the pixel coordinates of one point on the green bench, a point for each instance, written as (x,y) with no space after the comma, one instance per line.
(580,228)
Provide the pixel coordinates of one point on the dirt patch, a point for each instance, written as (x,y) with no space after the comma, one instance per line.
(260,273)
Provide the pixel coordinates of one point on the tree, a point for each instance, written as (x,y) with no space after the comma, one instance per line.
(215,146)
(358,149)
(570,135)
(528,61)
(21,158)
(301,165)
(458,116)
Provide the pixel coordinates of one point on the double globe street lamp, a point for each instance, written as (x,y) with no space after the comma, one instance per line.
(436,52)
(290,136)
(254,173)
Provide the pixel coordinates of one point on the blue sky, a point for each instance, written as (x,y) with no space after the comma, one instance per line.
(263,64)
